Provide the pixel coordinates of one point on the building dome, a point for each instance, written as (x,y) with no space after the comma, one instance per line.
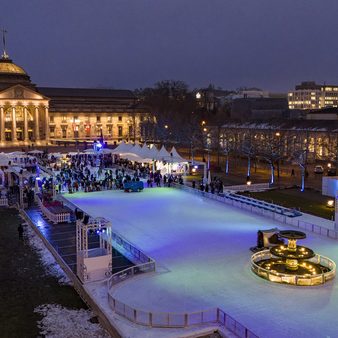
(8,67)
(12,74)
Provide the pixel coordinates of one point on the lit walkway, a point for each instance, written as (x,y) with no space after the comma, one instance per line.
(62,237)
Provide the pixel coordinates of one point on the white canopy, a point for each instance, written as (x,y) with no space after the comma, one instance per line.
(57,155)
(123,148)
(106,151)
(162,154)
(35,151)
(17,153)
(175,157)
(4,159)
(136,149)
(132,157)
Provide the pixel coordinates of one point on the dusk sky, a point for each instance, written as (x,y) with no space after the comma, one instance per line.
(268,44)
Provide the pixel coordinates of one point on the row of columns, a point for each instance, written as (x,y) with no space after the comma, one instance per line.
(36,124)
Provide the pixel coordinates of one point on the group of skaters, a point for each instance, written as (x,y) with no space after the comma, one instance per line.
(214,187)
(159,180)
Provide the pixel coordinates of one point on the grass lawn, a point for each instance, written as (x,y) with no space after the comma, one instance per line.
(309,201)
(24,284)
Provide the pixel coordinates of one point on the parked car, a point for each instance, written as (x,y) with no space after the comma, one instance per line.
(319,169)
(331,171)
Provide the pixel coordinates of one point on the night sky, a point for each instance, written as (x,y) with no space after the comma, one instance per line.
(270,44)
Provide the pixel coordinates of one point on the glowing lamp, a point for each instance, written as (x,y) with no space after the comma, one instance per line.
(193,170)
(330,203)
(248,183)
(329,165)
(195,166)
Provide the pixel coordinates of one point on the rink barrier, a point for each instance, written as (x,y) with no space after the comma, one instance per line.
(245,187)
(256,209)
(180,320)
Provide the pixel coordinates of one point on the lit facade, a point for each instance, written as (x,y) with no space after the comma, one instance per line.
(41,115)
(309,95)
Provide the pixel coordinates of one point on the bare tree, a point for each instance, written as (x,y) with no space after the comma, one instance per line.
(249,149)
(300,156)
(271,149)
(227,143)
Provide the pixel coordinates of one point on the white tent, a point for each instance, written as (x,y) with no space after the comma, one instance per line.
(106,151)
(17,153)
(136,149)
(123,148)
(163,154)
(35,151)
(132,157)
(56,155)
(175,157)
(4,159)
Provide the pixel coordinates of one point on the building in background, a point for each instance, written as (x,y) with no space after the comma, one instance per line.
(309,95)
(39,115)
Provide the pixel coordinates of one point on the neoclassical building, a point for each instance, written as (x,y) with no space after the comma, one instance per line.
(41,115)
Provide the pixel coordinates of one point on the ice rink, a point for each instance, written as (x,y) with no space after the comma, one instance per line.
(201,248)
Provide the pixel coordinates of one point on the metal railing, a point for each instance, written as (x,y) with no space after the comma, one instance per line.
(246,187)
(180,320)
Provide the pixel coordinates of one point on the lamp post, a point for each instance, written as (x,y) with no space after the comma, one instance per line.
(279,150)
(205,130)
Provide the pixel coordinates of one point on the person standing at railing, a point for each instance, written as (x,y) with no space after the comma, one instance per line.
(20,231)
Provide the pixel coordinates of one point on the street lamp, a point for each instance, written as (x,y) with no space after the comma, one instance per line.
(279,146)
(198,95)
(208,147)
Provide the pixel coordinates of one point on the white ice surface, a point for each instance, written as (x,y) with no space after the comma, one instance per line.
(204,245)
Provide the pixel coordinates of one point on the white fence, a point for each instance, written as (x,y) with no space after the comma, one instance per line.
(274,212)
(180,320)
(246,187)
(3,202)
(63,217)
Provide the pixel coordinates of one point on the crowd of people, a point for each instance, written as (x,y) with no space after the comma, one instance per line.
(214,187)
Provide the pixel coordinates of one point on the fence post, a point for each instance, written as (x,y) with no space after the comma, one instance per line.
(151,319)
(185,320)
(135,316)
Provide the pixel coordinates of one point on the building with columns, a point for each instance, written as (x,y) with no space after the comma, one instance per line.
(24,115)
(43,115)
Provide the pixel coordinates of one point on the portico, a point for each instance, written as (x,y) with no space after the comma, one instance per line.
(23,120)
(24,113)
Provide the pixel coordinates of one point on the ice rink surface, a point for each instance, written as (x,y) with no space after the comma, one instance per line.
(201,248)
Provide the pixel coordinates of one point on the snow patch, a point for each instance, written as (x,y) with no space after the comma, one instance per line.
(51,266)
(60,322)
